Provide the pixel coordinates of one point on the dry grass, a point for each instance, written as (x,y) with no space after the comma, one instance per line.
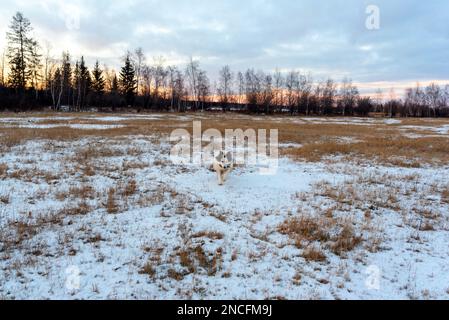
(130,188)
(193,256)
(377,192)
(4,198)
(209,234)
(82,192)
(82,208)
(346,240)
(11,138)
(445,195)
(19,232)
(111,205)
(314,253)
(212,265)
(22,174)
(186,261)
(148,269)
(173,274)
(130,165)
(378,141)
(96,151)
(336,235)
(155,197)
(33,175)
(396,151)
(3,170)
(297,278)
(306,229)
(88,170)
(95,238)
(221,216)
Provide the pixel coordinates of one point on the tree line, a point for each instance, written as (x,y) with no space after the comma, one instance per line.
(32,79)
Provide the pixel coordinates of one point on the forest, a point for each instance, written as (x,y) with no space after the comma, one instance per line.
(32,79)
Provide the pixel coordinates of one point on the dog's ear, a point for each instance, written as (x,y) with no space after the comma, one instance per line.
(229,156)
(219,156)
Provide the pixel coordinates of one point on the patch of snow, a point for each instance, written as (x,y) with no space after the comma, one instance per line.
(392,121)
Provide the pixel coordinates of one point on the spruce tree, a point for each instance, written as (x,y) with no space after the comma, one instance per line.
(66,74)
(114,88)
(82,84)
(76,87)
(128,81)
(98,82)
(114,93)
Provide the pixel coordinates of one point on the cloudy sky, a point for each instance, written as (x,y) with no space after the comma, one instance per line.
(324,37)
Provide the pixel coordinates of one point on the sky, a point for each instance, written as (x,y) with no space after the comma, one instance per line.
(391,45)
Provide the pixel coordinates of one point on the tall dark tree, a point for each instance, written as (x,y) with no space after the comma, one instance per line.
(114,87)
(128,81)
(20,51)
(35,66)
(98,82)
(66,78)
(98,85)
(114,93)
(82,84)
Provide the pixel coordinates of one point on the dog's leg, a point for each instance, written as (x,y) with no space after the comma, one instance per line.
(225,175)
(220,178)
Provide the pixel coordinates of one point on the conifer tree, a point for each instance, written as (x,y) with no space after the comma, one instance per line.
(128,81)
(66,78)
(98,82)
(114,88)
(21,52)
(82,84)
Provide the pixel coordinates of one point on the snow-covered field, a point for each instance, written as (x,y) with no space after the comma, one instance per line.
(109,216)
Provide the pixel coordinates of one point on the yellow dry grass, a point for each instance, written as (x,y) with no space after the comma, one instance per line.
(336,234)
(377,141)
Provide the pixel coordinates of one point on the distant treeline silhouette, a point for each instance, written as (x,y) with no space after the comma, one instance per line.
(31,79)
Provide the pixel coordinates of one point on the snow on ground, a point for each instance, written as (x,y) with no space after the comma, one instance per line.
(442,130)
(111,122)
(72,126)
(177,234)
(346,120)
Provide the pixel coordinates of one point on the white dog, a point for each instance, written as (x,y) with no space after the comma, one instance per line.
(223,165)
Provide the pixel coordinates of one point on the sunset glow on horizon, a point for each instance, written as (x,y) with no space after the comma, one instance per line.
(327,40)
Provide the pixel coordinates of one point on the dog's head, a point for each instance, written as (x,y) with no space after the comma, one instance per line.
(224,160)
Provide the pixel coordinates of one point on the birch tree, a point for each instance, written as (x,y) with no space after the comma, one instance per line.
(224,86)
(139,61)
(348,96)
(192,72)
(278,88)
